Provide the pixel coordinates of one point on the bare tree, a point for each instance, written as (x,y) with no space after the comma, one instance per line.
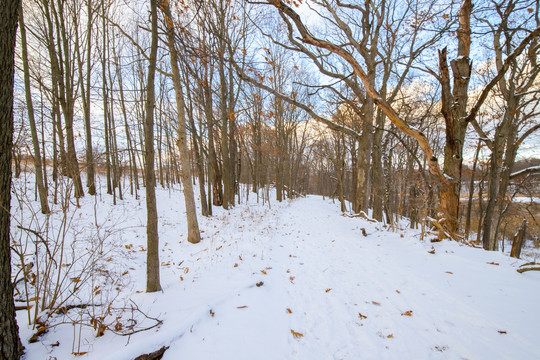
(31,119)
(152,262)
(10,345)
(191,213)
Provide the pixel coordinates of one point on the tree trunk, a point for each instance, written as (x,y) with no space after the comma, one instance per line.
(152,260)
(471,191)
(454,110)
(191,213)
(10,345)
(519,239)
(31,119)
(85,94)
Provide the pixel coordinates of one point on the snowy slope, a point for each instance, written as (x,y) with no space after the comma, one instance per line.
(343,295)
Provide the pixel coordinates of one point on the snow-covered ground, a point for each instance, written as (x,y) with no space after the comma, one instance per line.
(296,280)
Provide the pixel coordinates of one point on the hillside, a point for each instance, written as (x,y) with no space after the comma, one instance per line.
(295,280)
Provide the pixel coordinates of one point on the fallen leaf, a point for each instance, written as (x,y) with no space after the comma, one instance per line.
(432,251)
(502,331)
(390,336)
(328,290)
(398,291)
(376,303)
(259,284)
(235,265)
(289,311)
(407,313)
(212,313)
(493,263)
(241,307)
(263,271)
(186,270)
(296,334)
(80,353)
(240,257)
(362,316)
(449,272)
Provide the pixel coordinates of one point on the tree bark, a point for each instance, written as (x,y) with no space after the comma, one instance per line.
(191,213)
(85,94)
(10,345)
(31,119)
(519,239)
(152,260)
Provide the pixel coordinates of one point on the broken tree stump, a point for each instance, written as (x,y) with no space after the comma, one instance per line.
(519,239)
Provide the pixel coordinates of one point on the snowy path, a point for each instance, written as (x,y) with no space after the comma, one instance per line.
(349,296)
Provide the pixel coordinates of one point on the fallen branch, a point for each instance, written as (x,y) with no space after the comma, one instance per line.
(362,215)
(65,309)
(530,266)
(441,229)
(156,355)
(534,268)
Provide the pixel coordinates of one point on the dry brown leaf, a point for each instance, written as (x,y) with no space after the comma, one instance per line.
(407,313)
(212,313)
(263,271)
(390,336)
(289,311)
(376,303)
(493,263)
(328,290)
(398,291)
(235,265)
(296,334)
(362,316)
(449,272)
(502,331)
(241,307)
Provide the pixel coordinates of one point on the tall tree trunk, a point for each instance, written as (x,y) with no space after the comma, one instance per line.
(67,97)
(31,119)
(10,345)
(488,241)
(85,94)
(105,93)
(378,179)
(454,110)
(191,213)
(152,260)
(471,191)
(134,172)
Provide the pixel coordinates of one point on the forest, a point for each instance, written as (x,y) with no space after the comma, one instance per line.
(417,118)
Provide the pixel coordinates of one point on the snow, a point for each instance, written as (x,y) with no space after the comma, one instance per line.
(314,262)
(529,169)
